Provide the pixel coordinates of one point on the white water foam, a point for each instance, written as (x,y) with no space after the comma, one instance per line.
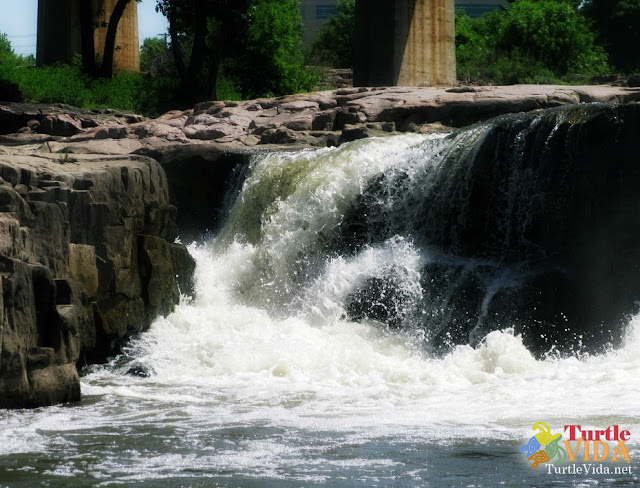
(312,380)
(286,347)
(340,375)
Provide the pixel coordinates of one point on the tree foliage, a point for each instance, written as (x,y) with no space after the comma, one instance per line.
(618,26)
(269,59)
(5,47)
(529,42)
(256,42)
(333,44)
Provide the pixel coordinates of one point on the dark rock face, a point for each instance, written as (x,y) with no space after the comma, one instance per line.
(552,193)
(86,260)
(199,179)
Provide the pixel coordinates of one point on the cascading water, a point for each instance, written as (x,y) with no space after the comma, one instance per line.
(353,326)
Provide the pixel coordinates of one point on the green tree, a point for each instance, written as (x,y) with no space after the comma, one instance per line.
(529,42)
(269,60)
(156,58)
(552,33)
(5,47)
(247,36)
(333,44)
(618,26)
(198,30)
(9,60)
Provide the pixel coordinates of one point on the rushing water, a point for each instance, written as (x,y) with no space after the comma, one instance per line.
(263,378)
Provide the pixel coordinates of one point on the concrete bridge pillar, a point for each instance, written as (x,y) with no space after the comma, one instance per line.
(127,52)
(59,32)
(405,42)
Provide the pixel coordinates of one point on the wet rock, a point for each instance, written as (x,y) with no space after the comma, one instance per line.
(384,298)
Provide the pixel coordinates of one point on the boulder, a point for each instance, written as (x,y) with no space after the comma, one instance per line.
(58,125)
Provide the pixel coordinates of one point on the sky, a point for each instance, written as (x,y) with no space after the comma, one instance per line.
(18,20)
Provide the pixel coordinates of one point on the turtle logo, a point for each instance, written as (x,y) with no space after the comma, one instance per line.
(544,446)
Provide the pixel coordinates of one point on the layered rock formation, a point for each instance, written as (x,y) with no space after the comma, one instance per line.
(86,259)
(86,222)
(314,119)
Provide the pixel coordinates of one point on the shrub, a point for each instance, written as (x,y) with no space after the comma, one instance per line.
(544,41)
(333,44)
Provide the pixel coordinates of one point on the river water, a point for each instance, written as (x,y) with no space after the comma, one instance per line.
(262,379)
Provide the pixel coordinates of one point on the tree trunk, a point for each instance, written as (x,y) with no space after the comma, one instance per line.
(87,28)
(175,46)
(106,70)
(199,40)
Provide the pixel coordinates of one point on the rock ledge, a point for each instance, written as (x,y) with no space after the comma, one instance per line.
(86,259)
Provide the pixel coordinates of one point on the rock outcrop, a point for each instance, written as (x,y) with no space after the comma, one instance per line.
(86,259)
(319,119)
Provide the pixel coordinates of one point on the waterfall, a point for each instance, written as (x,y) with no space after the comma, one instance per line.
(490,227)
(393,312)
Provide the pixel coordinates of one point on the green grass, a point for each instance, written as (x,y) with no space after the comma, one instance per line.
(131,92)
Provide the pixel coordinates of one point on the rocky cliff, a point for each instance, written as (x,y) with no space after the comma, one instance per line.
(86,259)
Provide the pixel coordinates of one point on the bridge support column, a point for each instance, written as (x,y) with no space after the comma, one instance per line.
(60,32)
(405,42)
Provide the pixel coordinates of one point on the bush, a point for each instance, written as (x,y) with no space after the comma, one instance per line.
(133,92)
(542,41)
(52,84)
(333,44)
(270,61)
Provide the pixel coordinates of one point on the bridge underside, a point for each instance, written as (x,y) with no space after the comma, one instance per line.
(405,42)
